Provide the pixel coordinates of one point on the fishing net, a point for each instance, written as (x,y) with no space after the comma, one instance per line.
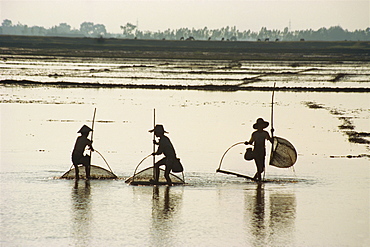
(283,153)
(143,177)
(96,172)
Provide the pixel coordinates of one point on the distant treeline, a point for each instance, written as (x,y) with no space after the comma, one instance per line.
(130,31)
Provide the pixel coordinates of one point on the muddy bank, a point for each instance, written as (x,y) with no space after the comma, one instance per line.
(222,88)
(175,49)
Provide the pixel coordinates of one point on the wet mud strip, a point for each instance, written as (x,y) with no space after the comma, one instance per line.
(347,127)
(261,75)
(353,136)
(52,102)
(71,121)
(338,77)
(208,87)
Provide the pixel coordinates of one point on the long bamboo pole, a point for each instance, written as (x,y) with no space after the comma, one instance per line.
(272,111)
(153,143)
(92,133)
(272,127)
(272,122)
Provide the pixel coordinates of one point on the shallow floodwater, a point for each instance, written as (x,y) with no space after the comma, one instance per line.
(323,201)
(332,74)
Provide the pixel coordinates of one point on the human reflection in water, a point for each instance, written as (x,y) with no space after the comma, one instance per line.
(163,211)
(271,219)
(81,212)
(258,215)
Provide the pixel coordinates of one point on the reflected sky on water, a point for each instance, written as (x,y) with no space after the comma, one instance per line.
(324,201)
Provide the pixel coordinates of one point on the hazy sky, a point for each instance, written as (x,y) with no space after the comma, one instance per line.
(156,15)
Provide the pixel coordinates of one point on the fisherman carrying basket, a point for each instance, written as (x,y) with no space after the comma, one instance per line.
(259,150)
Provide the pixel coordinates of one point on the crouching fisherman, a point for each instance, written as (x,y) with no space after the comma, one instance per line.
(78,156)
(166,148)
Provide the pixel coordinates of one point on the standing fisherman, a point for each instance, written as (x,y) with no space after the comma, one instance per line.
(165,147)
(259,151)
(78,156)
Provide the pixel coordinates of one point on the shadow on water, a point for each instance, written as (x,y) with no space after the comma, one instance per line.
(165,204)
(270,219)
(81,212)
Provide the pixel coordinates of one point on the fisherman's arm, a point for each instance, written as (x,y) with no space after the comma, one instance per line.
(250,142)
(89,144)
(159,150)
(268,137)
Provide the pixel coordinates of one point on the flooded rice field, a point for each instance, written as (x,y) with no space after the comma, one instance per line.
(174,72)
(323,201)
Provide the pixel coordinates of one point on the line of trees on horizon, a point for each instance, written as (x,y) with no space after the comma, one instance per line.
(130,31)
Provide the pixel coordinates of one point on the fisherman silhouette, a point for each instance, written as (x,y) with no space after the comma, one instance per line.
(78,156)
(166,148)
(258,138)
